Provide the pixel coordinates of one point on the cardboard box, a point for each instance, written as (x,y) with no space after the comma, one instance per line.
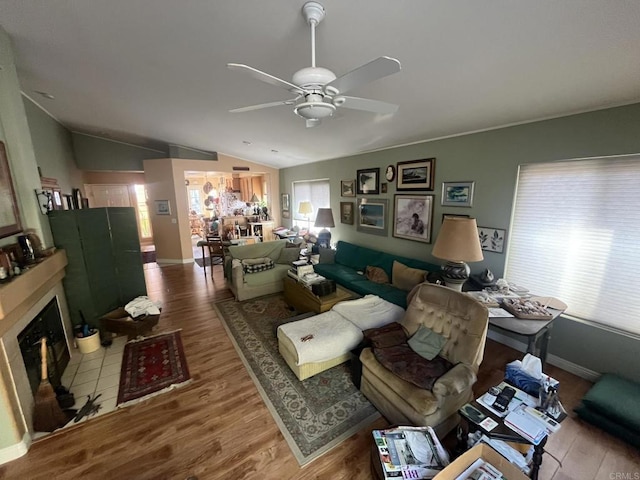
(488,454)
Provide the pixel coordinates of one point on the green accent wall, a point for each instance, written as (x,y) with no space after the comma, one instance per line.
(99,154)
(491,159)
(178,151)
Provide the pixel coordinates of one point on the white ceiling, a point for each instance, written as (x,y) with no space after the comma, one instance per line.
(146,71)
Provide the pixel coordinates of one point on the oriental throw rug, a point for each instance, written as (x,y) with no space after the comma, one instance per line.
(151,366)
(315,414)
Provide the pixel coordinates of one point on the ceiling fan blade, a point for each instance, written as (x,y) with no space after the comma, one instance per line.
(357,103)
(265,77)
(378,68)
(264,105)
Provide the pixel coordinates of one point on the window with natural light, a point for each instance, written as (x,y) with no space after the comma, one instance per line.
(575,235)
(312,194)
(143,211)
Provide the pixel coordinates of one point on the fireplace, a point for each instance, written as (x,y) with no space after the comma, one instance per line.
(48,323)
(35,294)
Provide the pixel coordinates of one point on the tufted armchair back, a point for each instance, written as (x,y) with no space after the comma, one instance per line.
(459,318)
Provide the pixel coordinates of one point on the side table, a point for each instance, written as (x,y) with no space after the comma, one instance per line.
(303,300)
(501,432)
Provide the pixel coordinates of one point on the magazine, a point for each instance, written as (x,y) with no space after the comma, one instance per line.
(410,452)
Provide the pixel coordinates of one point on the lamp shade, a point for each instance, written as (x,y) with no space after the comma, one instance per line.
(305,208)
(324,218)
(458,240)
(254,199)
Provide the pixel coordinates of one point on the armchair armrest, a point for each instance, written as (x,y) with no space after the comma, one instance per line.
(455,381)
(237,273)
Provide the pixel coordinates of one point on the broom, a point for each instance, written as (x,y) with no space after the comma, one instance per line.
(47,414)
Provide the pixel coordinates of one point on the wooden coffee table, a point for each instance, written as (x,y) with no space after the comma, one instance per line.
(303,300)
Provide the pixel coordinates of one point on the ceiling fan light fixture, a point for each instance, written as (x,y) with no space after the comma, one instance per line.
(314,110)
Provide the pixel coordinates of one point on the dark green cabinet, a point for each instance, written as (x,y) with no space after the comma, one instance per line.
(105,269)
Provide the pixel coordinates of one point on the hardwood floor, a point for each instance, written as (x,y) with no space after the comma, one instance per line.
(218,426)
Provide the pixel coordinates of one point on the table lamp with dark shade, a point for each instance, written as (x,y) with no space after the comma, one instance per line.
(457,243)
(324,219)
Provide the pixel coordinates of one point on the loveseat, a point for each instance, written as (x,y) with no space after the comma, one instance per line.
(258,269)
(348,267)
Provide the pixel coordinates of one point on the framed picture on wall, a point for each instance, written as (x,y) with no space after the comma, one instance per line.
(372,216)
(285,206)
(368,181)
(413,217)
(492,239)
(9,214)
(346,212)
(348,188)
(457,194)
(163,207)
(416,174)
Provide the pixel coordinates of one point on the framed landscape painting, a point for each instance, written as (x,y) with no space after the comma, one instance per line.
(372,216)
(457,194)
(348,188)
(413,217)
(416,174)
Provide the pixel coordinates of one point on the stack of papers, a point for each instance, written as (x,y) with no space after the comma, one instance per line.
(526,425)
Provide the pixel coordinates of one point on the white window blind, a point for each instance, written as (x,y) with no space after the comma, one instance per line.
(575,235)
(318,192)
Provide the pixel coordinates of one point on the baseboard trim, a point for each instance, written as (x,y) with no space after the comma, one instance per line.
(12,452)
(173,261)
(554,360)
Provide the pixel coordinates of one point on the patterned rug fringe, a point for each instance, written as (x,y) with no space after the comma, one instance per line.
(154,394)
(140,338)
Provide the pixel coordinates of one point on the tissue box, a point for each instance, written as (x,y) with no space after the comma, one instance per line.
(520,374)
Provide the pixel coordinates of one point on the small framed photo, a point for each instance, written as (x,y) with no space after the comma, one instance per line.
(383,188)
(416,174)
(457,194)
(368,181)
(412,217)
(372,216)
(346,212)
(285,207)
(163,207)
(57,199)
(348,188)
(492,239)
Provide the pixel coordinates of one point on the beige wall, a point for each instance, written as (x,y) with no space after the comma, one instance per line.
(165,181)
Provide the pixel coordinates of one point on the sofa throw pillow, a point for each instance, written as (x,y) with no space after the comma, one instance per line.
(405,278)
(426,343)
(376,275)
(288,255)
(254,265)
(327,255)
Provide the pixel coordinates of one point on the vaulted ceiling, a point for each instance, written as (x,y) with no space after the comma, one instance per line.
(153,72)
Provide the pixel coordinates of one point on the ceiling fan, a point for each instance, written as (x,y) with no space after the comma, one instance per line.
(318,91)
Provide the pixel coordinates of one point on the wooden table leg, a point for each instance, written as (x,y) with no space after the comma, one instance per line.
(538,450)
(204,263)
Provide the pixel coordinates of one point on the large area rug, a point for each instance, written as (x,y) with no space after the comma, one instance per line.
(151,366)
(315,414)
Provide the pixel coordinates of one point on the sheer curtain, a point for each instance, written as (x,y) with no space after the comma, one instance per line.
(318,192)
(575,235)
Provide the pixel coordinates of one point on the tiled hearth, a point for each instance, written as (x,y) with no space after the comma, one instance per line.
(92,374)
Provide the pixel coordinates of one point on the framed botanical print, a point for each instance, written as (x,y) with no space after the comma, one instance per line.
(368,181)
(413,217)
(346,212)
(416,174)
(372,216)
(492,239)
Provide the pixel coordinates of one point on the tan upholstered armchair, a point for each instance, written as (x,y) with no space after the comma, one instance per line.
(463,322)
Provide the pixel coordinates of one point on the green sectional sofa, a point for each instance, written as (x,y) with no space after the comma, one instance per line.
(351,261)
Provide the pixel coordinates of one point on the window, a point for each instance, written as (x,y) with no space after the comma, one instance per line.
(575,235)
(318,192)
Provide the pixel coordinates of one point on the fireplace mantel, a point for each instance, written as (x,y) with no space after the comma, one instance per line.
(17,296)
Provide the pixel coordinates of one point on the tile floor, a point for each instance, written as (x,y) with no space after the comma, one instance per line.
(95,373)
